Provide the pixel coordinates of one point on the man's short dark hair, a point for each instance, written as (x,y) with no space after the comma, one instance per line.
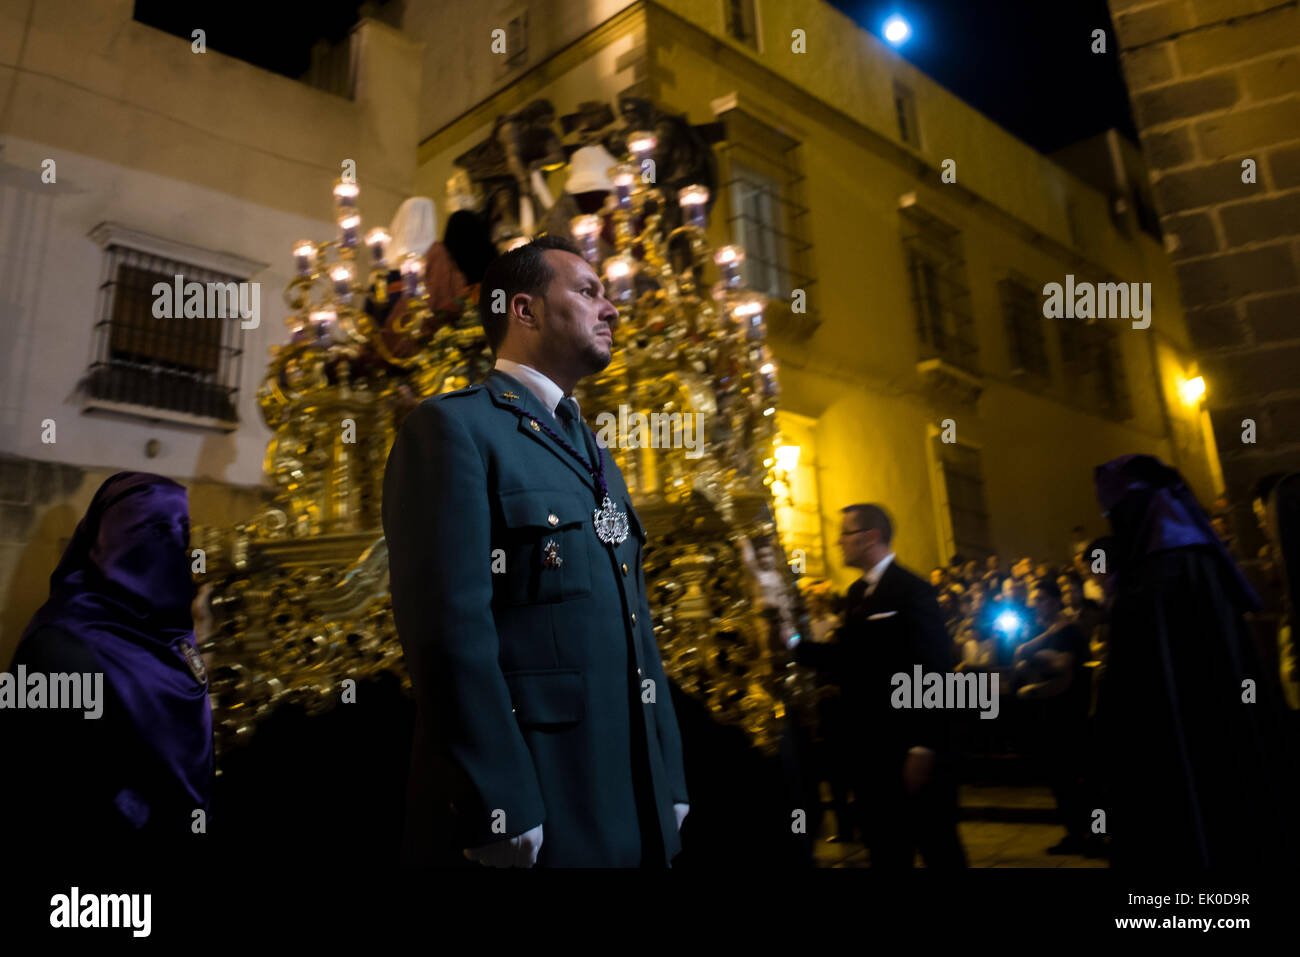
(523,269)
(873,517)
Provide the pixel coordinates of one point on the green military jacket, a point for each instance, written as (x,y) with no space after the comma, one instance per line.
(541,695)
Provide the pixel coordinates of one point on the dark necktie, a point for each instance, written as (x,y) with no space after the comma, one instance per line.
(572,428)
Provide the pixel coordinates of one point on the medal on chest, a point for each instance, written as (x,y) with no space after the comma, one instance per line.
(610,521)
(611,524)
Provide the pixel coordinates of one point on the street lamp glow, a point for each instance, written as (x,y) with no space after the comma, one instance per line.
(1193,390)
(897,30)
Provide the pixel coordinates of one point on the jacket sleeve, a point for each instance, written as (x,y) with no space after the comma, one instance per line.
(670,739)
(931,650)
(826,657)
(438,525)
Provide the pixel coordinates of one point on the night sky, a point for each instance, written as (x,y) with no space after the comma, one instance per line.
(276,36)
(1027,64)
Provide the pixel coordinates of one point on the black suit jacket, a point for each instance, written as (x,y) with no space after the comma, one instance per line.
(896,627)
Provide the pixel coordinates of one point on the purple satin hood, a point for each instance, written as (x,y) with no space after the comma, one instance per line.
(123,587)
(1152,509)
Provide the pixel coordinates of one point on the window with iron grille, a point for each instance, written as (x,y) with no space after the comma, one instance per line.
(905,112)
(760,172)
(186,366)
(1094,368)
(1023,312)
(963,479)
(1112,383)
(742,21)
(759,220)
(517,40)
(940,298)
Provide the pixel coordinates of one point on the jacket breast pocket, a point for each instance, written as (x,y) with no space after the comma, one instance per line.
(547,697)
(544,545)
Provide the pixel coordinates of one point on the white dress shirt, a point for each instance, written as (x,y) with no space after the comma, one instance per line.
(872,575)
(548,393)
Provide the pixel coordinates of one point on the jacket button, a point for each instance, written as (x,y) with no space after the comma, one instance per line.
(625,569)
(639,672)
(536,427)
(553,519)
(634,618)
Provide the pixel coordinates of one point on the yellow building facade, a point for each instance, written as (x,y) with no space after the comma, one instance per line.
(922,373)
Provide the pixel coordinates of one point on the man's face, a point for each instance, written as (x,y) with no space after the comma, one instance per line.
(936,577)
(854,541)
(1045,607)
(575,319)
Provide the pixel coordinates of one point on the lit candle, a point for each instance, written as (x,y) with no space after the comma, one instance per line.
(350,225)
(342,277)
(377,239)
(412,275)
(728,260)
(624,177)
(586,229)
(749,312)
(618,278)
(302,256)
(641,143)
(322,323)
(345,194)
(692,200)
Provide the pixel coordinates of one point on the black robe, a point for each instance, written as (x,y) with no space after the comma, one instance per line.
(1194,772)
(85,789)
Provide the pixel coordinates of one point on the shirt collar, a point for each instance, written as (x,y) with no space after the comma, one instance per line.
(548,393)
(872,575)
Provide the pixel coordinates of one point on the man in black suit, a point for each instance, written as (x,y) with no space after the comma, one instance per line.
(904,778)
(546,733)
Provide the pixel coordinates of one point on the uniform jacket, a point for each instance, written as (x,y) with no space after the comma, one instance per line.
(541,695)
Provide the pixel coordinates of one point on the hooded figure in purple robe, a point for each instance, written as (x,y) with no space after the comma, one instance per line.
(1188,717)
(120,607)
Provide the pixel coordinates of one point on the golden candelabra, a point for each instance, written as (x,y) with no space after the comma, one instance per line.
(300,599)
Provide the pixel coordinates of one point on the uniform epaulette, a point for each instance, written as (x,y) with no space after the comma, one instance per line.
(468,390)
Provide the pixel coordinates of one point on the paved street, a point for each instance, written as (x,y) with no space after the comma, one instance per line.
(1005,826)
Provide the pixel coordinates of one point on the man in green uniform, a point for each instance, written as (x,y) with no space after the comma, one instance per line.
(545,731)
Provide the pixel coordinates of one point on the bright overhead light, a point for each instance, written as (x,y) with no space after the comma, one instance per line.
(897,30)
(1193,390)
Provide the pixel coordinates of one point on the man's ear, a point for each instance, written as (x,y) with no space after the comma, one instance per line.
(525,308)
